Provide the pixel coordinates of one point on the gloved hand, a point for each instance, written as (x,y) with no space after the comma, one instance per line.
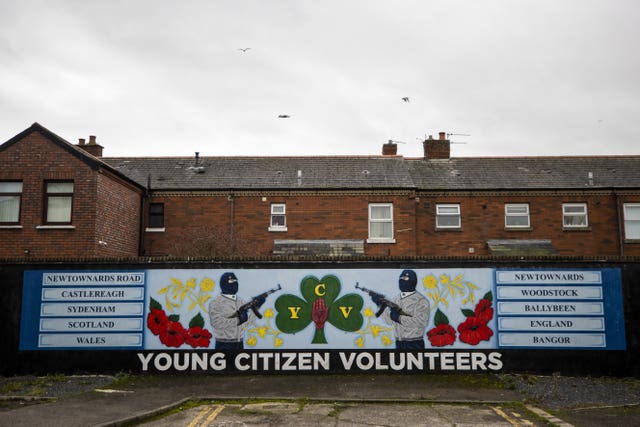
(244,316)
(395,316)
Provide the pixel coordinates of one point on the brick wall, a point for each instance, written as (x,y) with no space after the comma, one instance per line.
(483,218)
(334,216)
(118,218)
(308,217)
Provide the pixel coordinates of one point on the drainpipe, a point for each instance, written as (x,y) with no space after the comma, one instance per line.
(143,215)
(232,207)
(618,218)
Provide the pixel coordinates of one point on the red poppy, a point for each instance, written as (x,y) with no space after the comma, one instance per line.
(484,311)
(473,330)
(157,321)
(173,335)
(197,337)
(442,335)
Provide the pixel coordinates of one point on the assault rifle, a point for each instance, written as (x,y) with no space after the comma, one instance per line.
(382,302)
(254,304)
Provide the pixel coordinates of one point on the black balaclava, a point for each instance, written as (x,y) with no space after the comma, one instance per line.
(229,284)
(407,281)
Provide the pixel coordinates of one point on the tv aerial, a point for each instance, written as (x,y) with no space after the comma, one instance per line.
(457,134)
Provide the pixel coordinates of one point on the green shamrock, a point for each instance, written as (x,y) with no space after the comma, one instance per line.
(319,305)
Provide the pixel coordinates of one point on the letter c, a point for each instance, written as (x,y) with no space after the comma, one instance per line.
(320,289)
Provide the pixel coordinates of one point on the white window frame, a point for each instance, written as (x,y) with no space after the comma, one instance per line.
(278,210)
(448,211)
(58,203)
(631,220)
(11,202)
(373,222)
(525,214)
(570,210)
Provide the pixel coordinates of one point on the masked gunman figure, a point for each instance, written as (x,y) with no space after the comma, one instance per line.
(229,324)
(410,322)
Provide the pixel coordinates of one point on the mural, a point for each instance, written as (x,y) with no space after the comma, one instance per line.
(323,309)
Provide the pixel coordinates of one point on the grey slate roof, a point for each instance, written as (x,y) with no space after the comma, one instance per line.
(246,173)
(381,172)
(479,173)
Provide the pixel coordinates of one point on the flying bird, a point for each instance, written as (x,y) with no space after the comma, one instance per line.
(244,49)
(405,99)
(283,116)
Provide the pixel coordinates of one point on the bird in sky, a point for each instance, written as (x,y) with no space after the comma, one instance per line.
(244,49)
(405,99)
(283,116)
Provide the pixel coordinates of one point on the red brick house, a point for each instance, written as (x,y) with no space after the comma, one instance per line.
(58,200)
(379,205)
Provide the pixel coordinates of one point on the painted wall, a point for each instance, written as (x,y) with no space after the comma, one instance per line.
(318,317)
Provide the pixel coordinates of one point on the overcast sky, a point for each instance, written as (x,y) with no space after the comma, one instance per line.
(168,78)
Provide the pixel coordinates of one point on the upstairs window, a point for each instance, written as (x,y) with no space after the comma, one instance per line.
(632,221)
(448,216)
(381,222)
(156,215)
(58,202)
(10,200)
(574,215)
(278,217)
(516,215)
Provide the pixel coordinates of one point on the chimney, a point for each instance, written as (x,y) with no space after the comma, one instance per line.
(91,147)
(437,148)
(390,149)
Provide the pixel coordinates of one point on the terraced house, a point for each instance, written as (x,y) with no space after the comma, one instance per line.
(64,200)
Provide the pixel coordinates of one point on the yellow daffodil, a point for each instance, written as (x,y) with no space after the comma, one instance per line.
(252,341)
(268,313)
(206,285)
(277,342)
(430,282)
(375,330)
(444,279)
(367,312)
(360,342)
(386,340)
(262,331)
(191,283)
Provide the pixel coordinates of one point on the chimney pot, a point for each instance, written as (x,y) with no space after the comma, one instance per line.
(442,135)
(91,147)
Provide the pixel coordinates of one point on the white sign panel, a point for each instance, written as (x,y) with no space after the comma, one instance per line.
(549,277)
(551,340)
(93,340)
(549,292)
(551,323)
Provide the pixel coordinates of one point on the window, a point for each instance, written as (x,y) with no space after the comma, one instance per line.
(448,216)
(381,222)
(574,215)
(156,215)
(632,221)
(278,217)
(516,215)
(10,198)
(58,202)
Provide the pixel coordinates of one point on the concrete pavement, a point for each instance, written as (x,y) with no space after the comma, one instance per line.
(141,396)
